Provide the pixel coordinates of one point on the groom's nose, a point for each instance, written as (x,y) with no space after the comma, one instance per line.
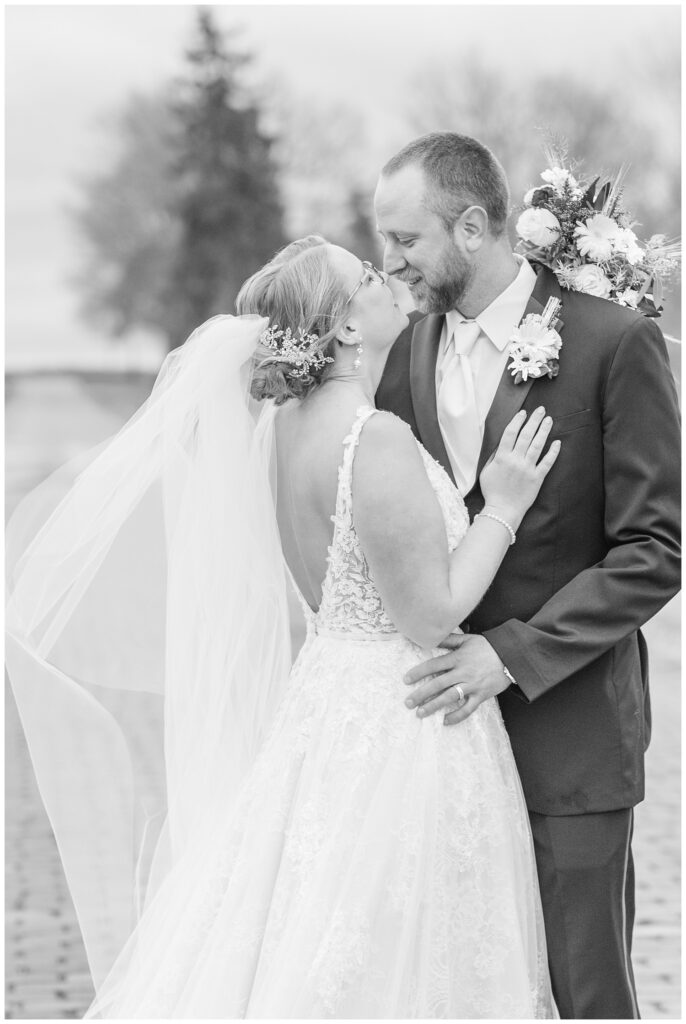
(393,260)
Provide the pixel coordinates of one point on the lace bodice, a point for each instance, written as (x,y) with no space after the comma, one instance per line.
(350,603)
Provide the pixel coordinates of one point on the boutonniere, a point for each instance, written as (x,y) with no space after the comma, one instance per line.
(535,345)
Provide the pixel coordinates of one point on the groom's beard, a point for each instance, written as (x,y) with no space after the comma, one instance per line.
(446,294)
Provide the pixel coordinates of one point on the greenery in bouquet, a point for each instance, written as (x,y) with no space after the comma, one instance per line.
(579,229)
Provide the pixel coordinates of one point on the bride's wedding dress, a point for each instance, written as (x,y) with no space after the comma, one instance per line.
(375,864)
(241,839)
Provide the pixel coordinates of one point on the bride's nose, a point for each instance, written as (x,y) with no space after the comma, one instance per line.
(401,294)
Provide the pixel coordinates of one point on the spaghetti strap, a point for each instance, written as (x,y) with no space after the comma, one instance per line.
(342,517)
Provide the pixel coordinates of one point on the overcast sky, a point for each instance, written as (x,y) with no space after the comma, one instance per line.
(68,66)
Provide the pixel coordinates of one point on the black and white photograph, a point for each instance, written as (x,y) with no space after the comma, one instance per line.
(343,478)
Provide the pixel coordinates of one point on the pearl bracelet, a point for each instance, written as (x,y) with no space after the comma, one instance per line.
(497,519)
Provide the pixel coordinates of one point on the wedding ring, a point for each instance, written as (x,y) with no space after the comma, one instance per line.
(460,692)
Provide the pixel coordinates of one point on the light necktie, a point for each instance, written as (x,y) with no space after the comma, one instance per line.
(458,416)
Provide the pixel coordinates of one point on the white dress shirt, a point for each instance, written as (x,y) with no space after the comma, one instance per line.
(488,357)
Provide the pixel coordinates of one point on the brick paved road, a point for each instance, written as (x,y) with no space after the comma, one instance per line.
(657,845)
(46,972)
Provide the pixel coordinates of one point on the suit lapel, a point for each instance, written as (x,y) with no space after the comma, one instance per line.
(423,354)
(510,397)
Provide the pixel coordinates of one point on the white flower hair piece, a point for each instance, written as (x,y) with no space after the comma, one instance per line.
(301,352)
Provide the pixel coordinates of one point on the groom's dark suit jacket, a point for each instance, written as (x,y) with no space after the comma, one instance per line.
(596,556)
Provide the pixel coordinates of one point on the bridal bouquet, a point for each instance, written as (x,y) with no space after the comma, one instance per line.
(580,230)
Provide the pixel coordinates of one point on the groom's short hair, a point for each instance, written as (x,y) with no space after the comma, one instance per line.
(460,172)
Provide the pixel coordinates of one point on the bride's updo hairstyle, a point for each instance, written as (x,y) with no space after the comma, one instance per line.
(298,289)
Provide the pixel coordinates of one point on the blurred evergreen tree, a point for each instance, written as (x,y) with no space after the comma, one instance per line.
(226,197)
(124,216)
(191,206)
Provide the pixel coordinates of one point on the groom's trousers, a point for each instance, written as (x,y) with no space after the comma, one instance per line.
(586,875)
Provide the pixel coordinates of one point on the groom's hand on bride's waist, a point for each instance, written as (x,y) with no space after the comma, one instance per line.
(456,682)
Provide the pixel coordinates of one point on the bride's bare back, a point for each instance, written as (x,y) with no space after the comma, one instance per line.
(309,441)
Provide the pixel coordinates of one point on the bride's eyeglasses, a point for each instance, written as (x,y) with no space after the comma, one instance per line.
(369,273)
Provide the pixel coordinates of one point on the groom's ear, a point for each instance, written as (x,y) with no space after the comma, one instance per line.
(471,228)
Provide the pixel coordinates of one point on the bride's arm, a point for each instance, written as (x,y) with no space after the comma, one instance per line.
(426,591)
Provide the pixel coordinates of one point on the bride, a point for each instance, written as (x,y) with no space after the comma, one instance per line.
(316,849)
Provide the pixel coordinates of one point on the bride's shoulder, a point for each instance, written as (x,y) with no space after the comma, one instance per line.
(387,446)
(391,485)
(385,428)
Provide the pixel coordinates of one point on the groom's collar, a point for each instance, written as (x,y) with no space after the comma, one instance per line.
(426,336)
(500,318)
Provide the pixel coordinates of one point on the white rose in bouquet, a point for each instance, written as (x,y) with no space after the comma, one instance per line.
(538,226)
(591,280)
(595,238)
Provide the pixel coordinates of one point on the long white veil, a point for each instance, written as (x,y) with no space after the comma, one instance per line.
(148,636)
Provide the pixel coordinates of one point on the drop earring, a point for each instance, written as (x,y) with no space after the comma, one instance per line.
(356,362)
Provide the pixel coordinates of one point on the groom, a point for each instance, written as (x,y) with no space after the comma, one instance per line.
(557,637)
